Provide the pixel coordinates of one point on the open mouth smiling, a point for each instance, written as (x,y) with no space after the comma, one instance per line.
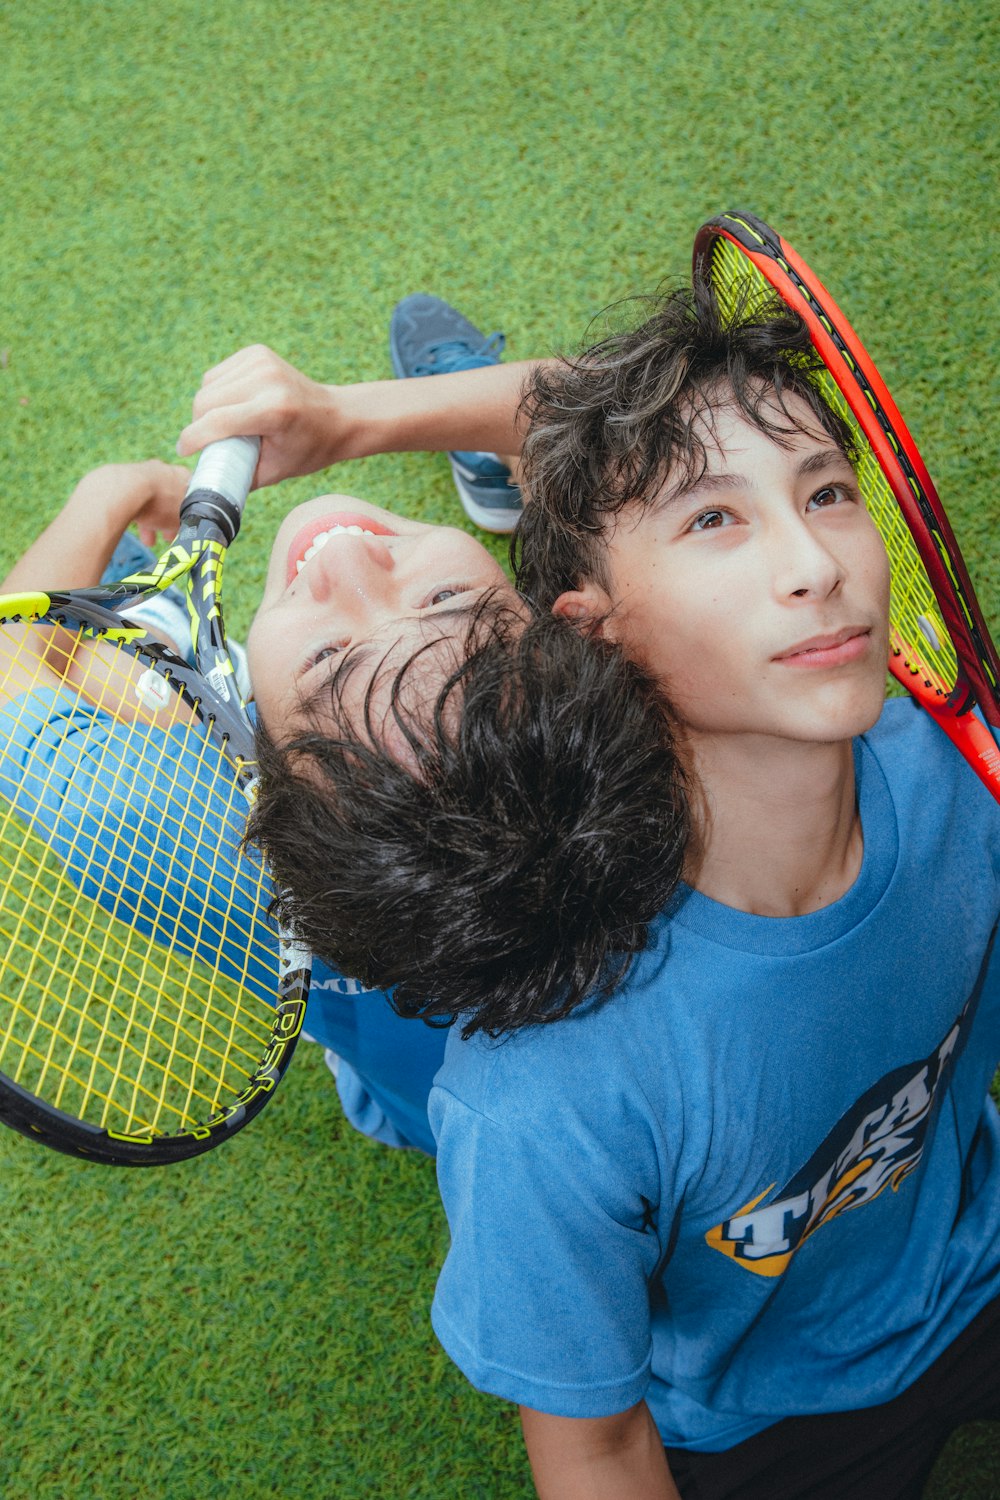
(314,537)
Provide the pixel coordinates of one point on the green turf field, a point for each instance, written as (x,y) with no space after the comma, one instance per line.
(182,179)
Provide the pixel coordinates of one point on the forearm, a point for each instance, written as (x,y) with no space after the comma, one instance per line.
(72,551)
(615,1458)
(75,548)
(471,409)
(307,426)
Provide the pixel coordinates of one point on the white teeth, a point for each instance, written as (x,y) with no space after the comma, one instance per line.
(322,537)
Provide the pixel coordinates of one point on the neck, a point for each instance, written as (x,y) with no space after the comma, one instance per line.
(777,831)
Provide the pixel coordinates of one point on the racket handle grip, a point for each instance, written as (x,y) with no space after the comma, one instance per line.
(220,484)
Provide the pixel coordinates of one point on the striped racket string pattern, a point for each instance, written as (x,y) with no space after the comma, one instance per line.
(132,1035)
(919,638)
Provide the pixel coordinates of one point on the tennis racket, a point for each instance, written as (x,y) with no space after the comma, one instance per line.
(148,1008)
(940,647)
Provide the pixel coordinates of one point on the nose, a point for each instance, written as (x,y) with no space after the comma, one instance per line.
(350,567)
(802,566)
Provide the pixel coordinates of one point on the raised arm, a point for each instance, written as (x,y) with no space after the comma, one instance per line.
(76,547)
(597,1458)
(72,552)
(307,426)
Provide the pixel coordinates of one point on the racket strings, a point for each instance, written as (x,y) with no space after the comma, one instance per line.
(142,1028)
(919,634)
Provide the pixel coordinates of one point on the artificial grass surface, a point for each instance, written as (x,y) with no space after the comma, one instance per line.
(181,180)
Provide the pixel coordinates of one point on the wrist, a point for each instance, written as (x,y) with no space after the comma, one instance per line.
(108,499)
(474,409)
(377,416)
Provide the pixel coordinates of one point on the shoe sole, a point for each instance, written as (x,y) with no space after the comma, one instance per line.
(495,518)
(487,517)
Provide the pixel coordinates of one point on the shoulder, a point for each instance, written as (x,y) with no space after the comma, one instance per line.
(946,820)
(52,738)
(30,713)
(904,730)
(918,760)
(56,715)
(555,1115)
(518,1073)
(42,734)
(581,1076)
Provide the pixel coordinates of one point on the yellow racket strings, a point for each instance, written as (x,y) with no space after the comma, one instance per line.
(917,628)
(139,964)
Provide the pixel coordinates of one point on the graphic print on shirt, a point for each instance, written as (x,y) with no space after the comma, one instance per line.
(335,984)
(876,1144)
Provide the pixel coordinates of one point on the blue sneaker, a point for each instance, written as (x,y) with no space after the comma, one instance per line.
(427,337)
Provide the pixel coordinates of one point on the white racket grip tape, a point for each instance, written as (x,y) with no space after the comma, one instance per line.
(227,468)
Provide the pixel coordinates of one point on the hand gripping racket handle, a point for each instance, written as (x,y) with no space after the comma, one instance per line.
(220,485)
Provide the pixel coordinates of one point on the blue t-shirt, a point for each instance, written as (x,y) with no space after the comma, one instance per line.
(54,749)
(764,1178)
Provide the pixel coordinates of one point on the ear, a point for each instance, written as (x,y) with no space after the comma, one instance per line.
(589,607)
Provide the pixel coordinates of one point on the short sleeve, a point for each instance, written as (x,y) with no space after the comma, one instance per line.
(75,776)
(544,1296)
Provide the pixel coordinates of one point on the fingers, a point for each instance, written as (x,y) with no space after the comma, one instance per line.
(153,537)
(237,385)
(249,359)
(250,394)
(235,419)
(256,393)
(241,376)
(165,486)
(172,478)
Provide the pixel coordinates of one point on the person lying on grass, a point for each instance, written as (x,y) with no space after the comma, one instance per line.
(447,641)
(735,1230)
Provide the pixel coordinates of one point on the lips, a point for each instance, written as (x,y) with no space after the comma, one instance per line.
(833,650)
(306,538)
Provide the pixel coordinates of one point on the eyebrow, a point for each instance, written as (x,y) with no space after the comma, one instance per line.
(341,668)
(812,463)
(366,651)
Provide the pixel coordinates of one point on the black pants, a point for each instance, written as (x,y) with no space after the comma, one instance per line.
(880,1453)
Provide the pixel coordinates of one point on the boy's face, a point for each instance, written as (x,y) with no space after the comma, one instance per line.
(344,574)
(759,595)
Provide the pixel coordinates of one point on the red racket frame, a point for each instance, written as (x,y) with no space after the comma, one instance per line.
(865,392)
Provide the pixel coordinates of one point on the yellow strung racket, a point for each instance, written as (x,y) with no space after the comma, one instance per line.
(147,1006)
(940,647)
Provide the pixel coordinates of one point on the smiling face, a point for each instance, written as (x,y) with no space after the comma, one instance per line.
(758,594)
(345,576)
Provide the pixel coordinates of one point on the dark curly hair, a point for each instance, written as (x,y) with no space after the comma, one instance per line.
(499,856)
(605,430)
